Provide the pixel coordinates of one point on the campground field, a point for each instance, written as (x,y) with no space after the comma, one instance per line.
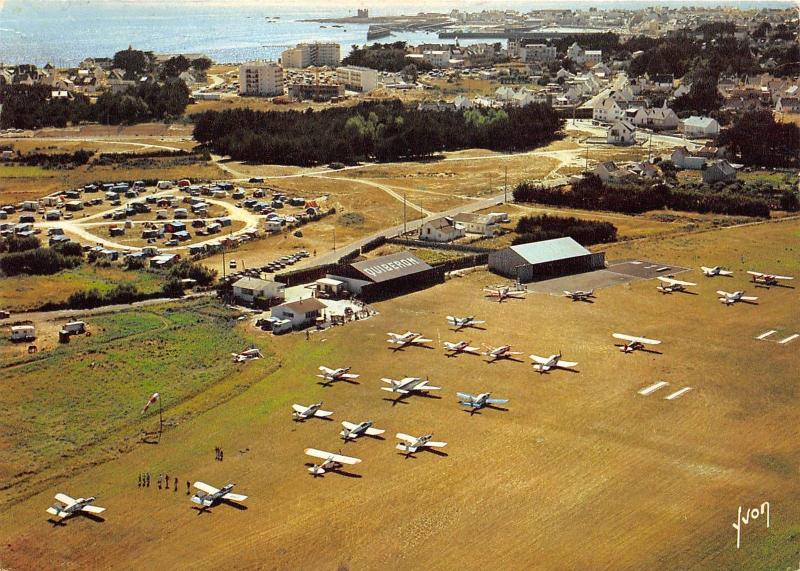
(581,472)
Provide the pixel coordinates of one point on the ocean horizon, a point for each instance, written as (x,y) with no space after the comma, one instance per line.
(64,33)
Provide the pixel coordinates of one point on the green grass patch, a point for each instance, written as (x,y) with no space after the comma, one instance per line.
(21,171)
(71,403)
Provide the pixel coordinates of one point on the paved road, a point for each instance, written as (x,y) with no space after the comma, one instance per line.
(394,231)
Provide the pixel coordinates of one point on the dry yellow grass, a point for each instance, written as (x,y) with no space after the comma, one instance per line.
(580,472)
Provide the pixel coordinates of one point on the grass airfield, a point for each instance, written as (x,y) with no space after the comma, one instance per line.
(580,472)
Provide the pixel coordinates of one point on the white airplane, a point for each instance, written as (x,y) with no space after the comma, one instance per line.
(579,295)
(408,385)
(302,413)
(501,352)
(477,402)
(333,375)
(406,339)
(72,507)
(633,343)
(461,322)
(767,279)
(715,271)
(731,298)
(545,364)
(246,355)
(209,496)
(504,292)
(330,461)
(352,431)
(453,349)
(413,444)
(669,285)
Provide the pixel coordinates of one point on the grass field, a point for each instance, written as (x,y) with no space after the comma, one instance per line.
(80,403)
(580,473)
(20,293)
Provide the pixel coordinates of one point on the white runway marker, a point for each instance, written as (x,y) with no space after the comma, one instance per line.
(766,334)
(636,263)
(653,388)
(789,338)
(676,394)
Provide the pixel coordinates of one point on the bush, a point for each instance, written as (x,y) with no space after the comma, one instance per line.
(591,194)
(173,288)
(121,294)
(585,232)
(186,269)
(40,261)
(17,244)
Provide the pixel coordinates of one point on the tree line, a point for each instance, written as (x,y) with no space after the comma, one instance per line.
(383,57)
(592,194)
(385,131)
(545,227)
(41,261)
(759,140)
(32,107)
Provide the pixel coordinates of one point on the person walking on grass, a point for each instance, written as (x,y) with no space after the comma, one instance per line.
(188,486)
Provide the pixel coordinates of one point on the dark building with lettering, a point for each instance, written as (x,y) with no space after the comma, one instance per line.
(387,276)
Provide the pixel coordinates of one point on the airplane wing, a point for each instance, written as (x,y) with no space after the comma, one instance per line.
(54,511)
(422,340)
(725,272)
(374,431)
(540,360)
(424,386)
(705,269)
(748,298)
(432,444)
(406,437)
(464,396)
(565,364)
(234,497)
(93,509)
(299,409)
(723,293)
(644,340)
(452,320)
(672,281)
(65,499)
(497,401)
(326,370)
(473,322)
(344,459)
(317,453)
(394,390)
(205,488)
(513,353)
(471,350)
(323,413)
(348,425)
(349,376)
(756,274)
(783,277)
(386,380)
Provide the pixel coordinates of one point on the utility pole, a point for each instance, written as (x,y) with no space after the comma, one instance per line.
(160,418)
(587,155)
(334,238)
(505,188)
(223,261)
(404,214)
(650,150)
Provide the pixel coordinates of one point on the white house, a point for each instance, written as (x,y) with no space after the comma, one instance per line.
(658,119)
(718,170)
(477,224)
(700,127)
(609,172)
(300,313)
(788,105)
(621,133)
(251,290)
(440,230)
(683,159)
(462,102)
(607,110)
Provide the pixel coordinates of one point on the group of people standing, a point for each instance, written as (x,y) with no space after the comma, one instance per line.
(162,481)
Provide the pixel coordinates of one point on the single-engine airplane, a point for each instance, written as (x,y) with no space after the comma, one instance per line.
(461,322)
(579,295)
(72,507)
(302,413)
(330,462)
(352,431)
(330,376)
(412,443)
(209,496)
(545,364)
(715,271)
(453,349)
(477,402)
(731,298)
(669,285)
(633,343)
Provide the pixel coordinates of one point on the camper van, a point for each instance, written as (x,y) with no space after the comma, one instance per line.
(23,333)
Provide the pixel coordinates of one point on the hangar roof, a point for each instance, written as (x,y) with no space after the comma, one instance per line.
(391,267)
(550,250)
